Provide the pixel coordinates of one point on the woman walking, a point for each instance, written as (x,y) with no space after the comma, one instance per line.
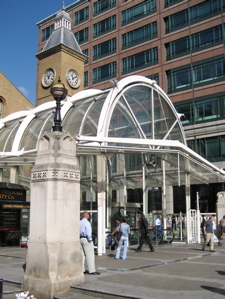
(125,229)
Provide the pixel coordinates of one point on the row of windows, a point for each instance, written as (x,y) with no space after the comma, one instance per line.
(140,60)
(139,35)
(202,109)
(104,26)
(138,11)
(173,22)
(198,41)
(130,15)
(193,14)
(103,5)
(205,72)
(212,149)
(199,74)
(107,72)
(168,3)
(129,39)
(104,49)
(195,42)
(47,32)
(104,72)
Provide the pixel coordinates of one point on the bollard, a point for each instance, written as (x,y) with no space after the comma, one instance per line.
(1,288)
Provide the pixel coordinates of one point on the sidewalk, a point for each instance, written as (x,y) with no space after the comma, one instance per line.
(172,271)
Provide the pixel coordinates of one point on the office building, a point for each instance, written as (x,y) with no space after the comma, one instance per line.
(178,43)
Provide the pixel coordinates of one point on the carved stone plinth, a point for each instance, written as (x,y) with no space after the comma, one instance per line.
(54,254)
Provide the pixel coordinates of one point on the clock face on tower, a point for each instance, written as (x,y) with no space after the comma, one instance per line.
(48,77)
(73,78)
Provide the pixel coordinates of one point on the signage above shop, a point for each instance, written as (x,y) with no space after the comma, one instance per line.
(12,195)
(16,206)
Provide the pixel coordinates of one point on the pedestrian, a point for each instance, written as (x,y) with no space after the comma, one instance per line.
(144,234)
(158,226)
(208,231)
(87,245)
(216,240)
(125,229)
(115,233)
(202,226)
(222,224)
(168,223)
(174,222)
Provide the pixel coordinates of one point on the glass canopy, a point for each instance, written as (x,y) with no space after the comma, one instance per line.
(133,122)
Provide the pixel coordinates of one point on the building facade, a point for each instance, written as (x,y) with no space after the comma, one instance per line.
(11,99)
(131,145)
(178,43)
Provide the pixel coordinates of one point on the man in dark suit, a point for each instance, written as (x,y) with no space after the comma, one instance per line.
(144,234)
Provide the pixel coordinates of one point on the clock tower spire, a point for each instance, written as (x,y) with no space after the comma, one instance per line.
(61,57)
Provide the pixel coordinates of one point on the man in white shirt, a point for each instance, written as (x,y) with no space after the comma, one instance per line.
(87,245)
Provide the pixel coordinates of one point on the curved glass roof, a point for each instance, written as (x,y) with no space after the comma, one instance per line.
(134,116)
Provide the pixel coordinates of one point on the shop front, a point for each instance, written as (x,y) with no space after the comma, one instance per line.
(14,215)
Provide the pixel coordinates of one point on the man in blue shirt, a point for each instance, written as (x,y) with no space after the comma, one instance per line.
(209,232)
(87,245)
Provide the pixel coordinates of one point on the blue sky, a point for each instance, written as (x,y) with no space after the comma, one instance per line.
(19,37)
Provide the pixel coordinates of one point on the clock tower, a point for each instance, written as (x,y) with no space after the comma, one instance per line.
(60,57)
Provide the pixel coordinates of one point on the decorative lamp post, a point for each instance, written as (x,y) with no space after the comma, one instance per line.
(59,92)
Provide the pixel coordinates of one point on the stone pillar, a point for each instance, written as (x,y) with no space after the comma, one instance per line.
(14,175)
(54,255)
(188,208)
(169,200)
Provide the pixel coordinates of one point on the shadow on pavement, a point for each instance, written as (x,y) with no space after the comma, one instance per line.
(214,290)
(221,272)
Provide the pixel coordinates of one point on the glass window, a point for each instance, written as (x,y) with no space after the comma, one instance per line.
(223,146)
(176,21)
(202,109)
(42,121)
(7,134)
(177,48)
(104,72)
(45,34)
(212,147)
(104,26)
(139,35)
(85,52)
(154,77)
(81,16)
(205,38)
(102,5)
(193,15)
(178,79)
(90,123)
(201,74)
(82,36)
(138,11)
(140,60)
(85,79)
(104,49)
(168,3)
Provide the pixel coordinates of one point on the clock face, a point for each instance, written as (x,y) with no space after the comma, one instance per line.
(48,77)
(73,79)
